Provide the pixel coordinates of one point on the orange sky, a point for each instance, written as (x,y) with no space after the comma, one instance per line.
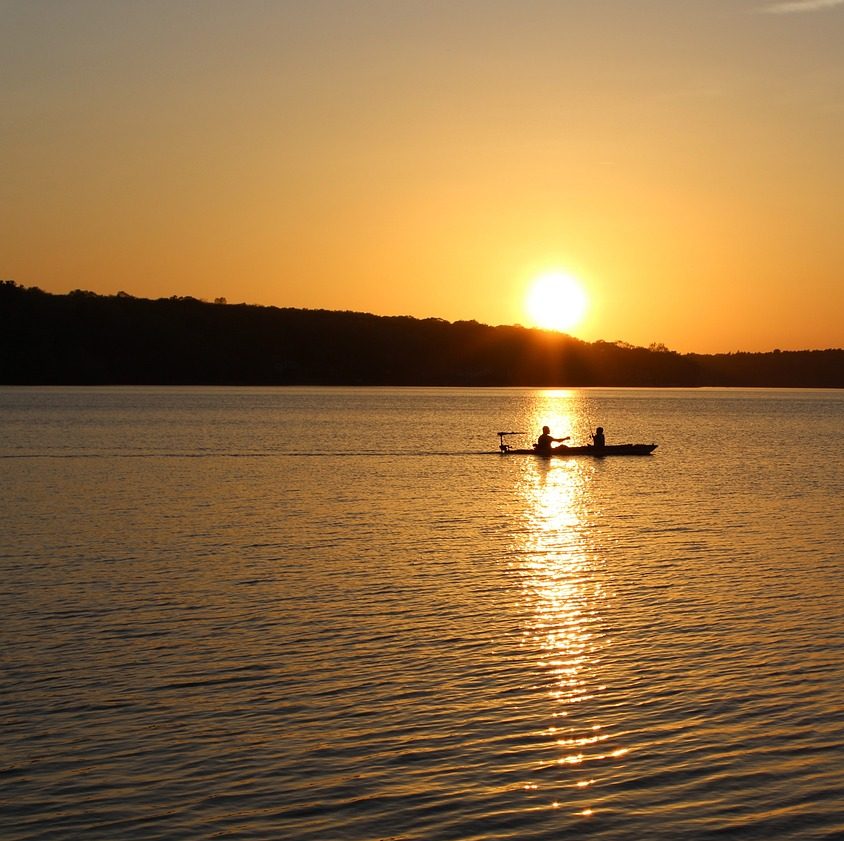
(682,158)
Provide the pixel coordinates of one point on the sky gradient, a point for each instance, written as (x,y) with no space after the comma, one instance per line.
(683,159)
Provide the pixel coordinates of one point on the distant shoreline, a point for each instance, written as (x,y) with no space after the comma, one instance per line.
(86,339)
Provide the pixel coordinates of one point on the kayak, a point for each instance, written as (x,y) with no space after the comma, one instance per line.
(588,450)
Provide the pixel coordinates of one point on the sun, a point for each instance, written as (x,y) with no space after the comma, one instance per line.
(556,301)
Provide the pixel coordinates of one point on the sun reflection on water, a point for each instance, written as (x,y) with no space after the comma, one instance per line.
(563,588)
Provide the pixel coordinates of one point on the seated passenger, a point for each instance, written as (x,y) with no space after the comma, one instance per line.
(543,443)
(598,439)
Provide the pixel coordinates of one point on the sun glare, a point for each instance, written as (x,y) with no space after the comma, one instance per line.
(556,301)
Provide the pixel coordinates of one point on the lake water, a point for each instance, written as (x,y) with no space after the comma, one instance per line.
(320,614)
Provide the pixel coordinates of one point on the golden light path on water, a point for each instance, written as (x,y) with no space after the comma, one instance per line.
(563,585)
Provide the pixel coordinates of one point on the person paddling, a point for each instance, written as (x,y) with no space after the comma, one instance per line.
(598,440)
(543,443)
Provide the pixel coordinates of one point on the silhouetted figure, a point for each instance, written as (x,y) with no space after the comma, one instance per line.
(544,442)
(598,440)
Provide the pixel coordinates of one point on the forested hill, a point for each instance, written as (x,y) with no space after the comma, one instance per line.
(84,338)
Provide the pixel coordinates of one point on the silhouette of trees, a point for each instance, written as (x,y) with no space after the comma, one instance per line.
(84,338)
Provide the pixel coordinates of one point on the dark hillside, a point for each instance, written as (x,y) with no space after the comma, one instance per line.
(83,338)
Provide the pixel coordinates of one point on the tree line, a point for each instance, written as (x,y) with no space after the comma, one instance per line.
(82,338)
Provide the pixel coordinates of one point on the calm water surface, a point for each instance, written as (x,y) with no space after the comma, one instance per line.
(336,614)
